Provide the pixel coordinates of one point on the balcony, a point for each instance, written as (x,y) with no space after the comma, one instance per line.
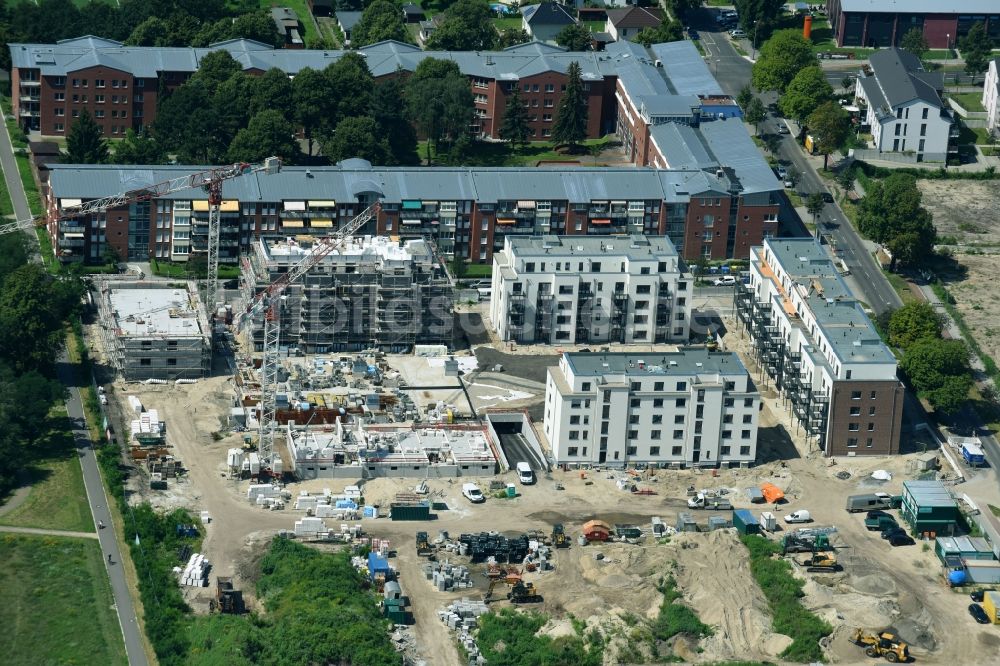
(31,83)
(29,98)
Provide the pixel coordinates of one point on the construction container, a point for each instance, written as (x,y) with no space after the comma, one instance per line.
(991,604)
(686,523)
(768,521)
(596,530)
(378,566)
(718,523)
(410,511)
(755,495)
(973,455)
(744,522)
(659,528)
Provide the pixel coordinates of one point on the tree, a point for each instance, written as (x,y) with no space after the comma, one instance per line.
(352,85)
(915,42)
(35,306)
(805,93)
(846,179)
(891,214)
(744,97)
(571,120)
(151,32)
(755,113)
(847,82)
(467,26)
(189,124)
(781,58)
(828,125)
(356,137)
(439,101)
(214,68)
(258,26)
(951,395)
(515,121)
(977,49)
(85,143)
(139,148)
(269,133)
(313,101)
(272,91)
(575,37)
(814,205)
(758,15)
(512,37)
(382,20)
(667,31)
(939,371)
(390,116)
(913,323)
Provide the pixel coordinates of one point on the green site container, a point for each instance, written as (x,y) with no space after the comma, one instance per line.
(421,511)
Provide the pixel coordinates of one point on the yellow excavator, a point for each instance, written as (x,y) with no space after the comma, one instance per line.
(884,644)
(820,560)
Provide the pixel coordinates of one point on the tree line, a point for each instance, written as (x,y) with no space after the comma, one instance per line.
(34,307)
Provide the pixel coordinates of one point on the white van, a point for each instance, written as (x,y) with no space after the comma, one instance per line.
(472,493)
(524,473)
(800,516)
(485,293)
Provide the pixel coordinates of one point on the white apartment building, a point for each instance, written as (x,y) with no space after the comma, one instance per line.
(590,289)
(688,408)
(991,95)
(904,107)
(815,341)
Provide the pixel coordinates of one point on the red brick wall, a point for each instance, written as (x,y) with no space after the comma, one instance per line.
(938,27)
(90,91)
(497,95)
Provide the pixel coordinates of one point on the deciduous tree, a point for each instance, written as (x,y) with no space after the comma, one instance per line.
(829,125)
(744,97)
(439,101)
(758,15)
(755,113)
(313,100)
(393,123)
(356,137)
(805,93)
(915,42)
(272,91)
(352,85)
(667,31)
(977,49)
(512,37)
(139,148)
(781,58)
(381,20)
(571,120)
(467,26)
(939,370)
(814,204)
(891,214)
(85,143)
(269,133)
(575,37)
(912,323)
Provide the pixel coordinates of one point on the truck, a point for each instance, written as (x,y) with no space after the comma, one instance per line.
(705,501)
(873,501)
(972,453)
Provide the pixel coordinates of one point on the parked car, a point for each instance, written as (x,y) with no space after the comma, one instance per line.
(693,34)
(472,493)
(893,531)
(781,171)
(800,516)
(827,197)
(783,129)
(724,281)
(789,183)
(898,539)
(978,614)
(736,33)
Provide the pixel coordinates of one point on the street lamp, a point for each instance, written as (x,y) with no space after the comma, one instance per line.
(947,48)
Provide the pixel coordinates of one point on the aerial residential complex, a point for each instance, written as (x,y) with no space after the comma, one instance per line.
(813,338)
(882,23)
(904,106)
(689,408)
(372,293)
(548,289)
(706,212)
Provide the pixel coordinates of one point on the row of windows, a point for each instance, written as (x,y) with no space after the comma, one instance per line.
(100,83)
(656,419)
(115,129)
(575,451)
(854,427)
(98,113)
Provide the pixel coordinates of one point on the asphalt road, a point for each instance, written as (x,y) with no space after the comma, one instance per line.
(88,460)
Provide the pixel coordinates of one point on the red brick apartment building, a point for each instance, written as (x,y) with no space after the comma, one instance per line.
(882,23)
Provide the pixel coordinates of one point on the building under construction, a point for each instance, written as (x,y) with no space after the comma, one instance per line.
(372,293)
(155,332)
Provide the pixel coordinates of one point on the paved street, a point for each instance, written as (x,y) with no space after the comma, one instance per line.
(88,460)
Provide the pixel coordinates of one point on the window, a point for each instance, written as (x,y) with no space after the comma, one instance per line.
(534,87)
(636,386)
(634,402)
(748,402)
(871,411)
(574,404)
(574,434)
(76,83)
(633,419)
(872,396)
(606,412)
(171,361)
(678,418)
(642,289)
(680,402)
(59,127)
(748,418)
(868,443)
(701,395)
(728,402)
(727,434)
(574,420)
(871,427)
(657,418)
(60,97)
(855,411)
(923,114)
(145,361)
(853,427)
(728,418)
(632,434)
(699,412)
(60,111)
(98,83)
(678,434)
(855,395)
(675,451)
(654,450)
(99,113)
(654,434)
(572,451)
(682,386)
(658,402)
(744,450)
(549,87)
(852,442)
(744,434)
(657,386)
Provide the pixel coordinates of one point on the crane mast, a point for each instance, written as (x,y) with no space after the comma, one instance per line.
(269,301)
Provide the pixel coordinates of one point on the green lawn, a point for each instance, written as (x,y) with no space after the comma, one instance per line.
(484,153)
(969,101)
(301,10)
(57,499)
(901,287)
(6,205)
(509,23)
(30,189)
(190,271)
(475,271)
(719,3)
(58,607)
(596,26)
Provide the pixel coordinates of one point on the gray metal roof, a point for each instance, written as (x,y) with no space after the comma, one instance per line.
(714,144)
(840,316)
(900,77)
(348,20)
(686,70)
(929,493)
(635,17)
(634,247)
(921,6)
(684,361)
(547,13)
(347,180)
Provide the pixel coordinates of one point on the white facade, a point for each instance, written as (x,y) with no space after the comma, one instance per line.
(589,289)
(915,127)
(991,95)
(689,408)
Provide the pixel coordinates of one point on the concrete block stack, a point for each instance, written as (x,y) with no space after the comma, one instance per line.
(462,616)
(446,576)
(259,490)
(195,574)
(310,527)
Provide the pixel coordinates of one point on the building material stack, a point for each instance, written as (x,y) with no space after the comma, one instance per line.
(446,576)
(195,574)
(462,616)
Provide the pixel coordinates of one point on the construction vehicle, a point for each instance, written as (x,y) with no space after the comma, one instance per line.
(423,545)
(705,500)
(885,645)
(820,560)
(524,593)
(804,543)
(559,538)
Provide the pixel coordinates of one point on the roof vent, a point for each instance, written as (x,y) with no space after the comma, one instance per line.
(309,173)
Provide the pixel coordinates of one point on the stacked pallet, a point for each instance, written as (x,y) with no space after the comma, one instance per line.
(446,576)
(195,574)
(461,616)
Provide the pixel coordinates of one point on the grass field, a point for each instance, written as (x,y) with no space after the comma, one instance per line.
(484,153)
(968,101)
(57,603)
(57,499)
(502,24)
(6,205)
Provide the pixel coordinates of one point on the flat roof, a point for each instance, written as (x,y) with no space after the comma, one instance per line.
(929,493)
(633,247)
(152,312)
(684,361)
(375,248)
(921,6)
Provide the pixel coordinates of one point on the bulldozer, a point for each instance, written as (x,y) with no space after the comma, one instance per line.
(884,644)
(559,538)
(795,543)
(423,545)
(524,593)
(820,560)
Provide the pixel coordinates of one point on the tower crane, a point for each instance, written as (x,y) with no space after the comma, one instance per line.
(268,301)
(210,180)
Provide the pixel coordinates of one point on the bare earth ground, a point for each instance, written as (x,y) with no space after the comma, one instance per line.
(880,586)
(969,210)
(978,299)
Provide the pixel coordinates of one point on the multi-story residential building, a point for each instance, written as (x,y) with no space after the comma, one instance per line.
(467,212)
(882,23)
(688,408)
(813,338)
(903,106)
(559,290)
(372,293)
(991,95)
